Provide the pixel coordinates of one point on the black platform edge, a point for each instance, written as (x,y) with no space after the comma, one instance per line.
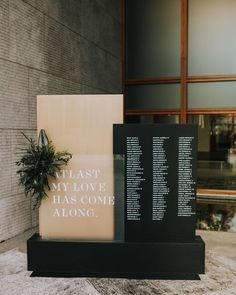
(154,276)
(134,260)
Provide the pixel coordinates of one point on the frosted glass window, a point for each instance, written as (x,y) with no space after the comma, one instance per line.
(212,95)
(161,96)
(152,38)
(212,42)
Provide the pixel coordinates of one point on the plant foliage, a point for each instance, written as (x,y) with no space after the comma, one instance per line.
(40,162)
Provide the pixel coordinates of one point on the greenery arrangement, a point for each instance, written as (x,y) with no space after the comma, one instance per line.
(39,162)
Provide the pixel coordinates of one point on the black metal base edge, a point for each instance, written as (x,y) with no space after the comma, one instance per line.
(147,276)
(116,259)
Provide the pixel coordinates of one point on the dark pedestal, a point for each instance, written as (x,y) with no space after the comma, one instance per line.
(116,259)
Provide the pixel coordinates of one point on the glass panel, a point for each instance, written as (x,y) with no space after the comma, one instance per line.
(212,42)
(161,96)
(216,151)
(119,191)
(212,95)
(152,38)
(152,119)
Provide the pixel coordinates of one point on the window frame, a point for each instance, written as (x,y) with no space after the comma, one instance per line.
(183,79)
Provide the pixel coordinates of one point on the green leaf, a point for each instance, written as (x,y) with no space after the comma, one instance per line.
(39,162)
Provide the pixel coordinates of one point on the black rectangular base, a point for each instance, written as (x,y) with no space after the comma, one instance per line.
(116,259)
(116,275)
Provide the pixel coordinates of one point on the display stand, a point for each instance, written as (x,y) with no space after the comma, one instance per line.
(116,259)
(153,232)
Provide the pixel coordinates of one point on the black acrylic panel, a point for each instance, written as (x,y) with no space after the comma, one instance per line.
(160,181)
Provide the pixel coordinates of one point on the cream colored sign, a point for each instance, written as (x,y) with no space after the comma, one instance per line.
(81,201)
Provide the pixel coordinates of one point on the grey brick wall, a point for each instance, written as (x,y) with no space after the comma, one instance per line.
(48,47)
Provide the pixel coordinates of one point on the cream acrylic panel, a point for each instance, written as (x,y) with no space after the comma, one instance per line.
(81,200)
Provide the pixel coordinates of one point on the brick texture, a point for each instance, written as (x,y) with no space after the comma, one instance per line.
(5,164)
(96,20)
(26,35)
(48,47)
(4,31)
(14,99)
